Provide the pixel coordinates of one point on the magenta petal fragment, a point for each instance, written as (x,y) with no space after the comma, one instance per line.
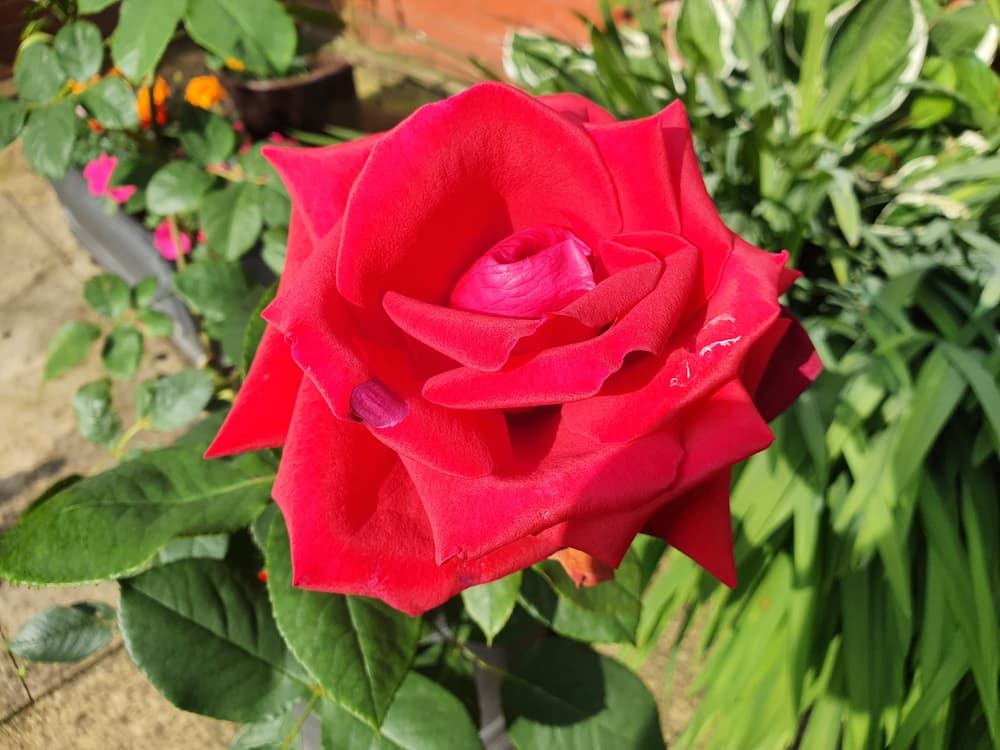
(532,272)
(376,405)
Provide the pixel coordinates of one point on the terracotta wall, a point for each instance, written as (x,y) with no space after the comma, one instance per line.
(444,33)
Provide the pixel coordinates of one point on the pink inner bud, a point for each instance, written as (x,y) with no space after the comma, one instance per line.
(376,405)
(532,272)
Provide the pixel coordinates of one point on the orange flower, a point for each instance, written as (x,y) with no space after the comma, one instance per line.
(76,87)
(233,64)
(204,91)
(160,93)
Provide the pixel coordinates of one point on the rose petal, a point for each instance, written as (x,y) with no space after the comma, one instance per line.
(707,352)
(584,569)
(319,179)
(698,523)
(791,368)
(579,108)
(263,408)
(428,203)
(356,523)
(578,371)
(555,476)
(660,185)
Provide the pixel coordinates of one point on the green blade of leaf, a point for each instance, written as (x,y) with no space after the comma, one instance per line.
(561,695)
(112,103)
(490,605)
(142,34)
(107,294)
(69,347)
(357,648)
(48,137)
(122,352)
(421,715)
(172,401)
(107,525)
(64,634)
(80,50)
(37,73)
(95,413)
(204,635)
(177,187)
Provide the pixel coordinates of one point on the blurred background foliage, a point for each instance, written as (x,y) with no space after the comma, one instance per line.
(863,136)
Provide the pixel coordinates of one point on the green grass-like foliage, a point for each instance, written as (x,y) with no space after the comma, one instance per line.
(864,138)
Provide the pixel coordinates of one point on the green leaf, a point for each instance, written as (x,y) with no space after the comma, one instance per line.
(203,634)
(606,613)
(12,114)
(423,715)
(64,634)
(358,649)
(276,205)
(69,347)
(107,295)
(845,206)
(37,73)
(89,7)
(982,383)
(156,323)
(112,102)
(561,695)
(210,546)
(122,352)
(144,293)
(80,50)
(232,219)
(95,413)
(256,327)
(206,137)
(171,401)
(875,55)
(177,187)
(104,526)
(257,32)
(142,34)
(215,288)
(490,605)
(49,137)
(268,734)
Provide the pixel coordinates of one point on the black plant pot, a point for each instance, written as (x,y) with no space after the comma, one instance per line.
(121,245)
(308,102)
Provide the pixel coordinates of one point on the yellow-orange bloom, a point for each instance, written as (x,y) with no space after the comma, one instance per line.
(233,64)
(160,93)
(76,87)
(204,91)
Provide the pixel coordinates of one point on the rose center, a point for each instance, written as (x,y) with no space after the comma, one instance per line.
(534,271)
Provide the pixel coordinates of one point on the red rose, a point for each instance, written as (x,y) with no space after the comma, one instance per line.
(507,327)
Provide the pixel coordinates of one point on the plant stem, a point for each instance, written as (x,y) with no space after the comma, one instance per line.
(119,450)
(287,743)
(175,238)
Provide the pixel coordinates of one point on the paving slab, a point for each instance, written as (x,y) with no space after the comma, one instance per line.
(110,707)
(102,702)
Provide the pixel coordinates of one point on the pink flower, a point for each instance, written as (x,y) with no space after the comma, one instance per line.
(164,242)
(279,139)
(98,173)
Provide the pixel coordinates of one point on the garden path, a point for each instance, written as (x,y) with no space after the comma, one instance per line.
(103,702)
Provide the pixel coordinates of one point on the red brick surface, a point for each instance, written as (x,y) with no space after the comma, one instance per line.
(444,33)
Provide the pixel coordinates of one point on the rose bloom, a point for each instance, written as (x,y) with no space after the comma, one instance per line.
(204,91)
(165,244)
(160,94)
(509,328)
(98,173)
